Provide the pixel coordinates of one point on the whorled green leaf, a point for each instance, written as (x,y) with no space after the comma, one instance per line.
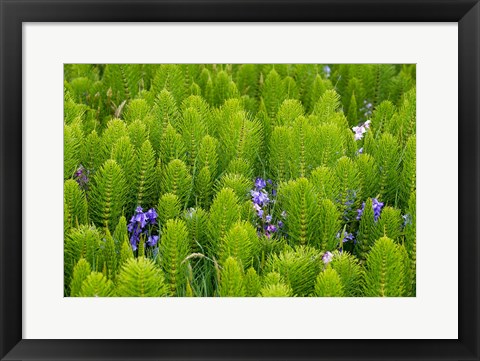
(96,285)
(384,276)
(174,248)
(329,284)
(108,195)
(140,277)
(231,279)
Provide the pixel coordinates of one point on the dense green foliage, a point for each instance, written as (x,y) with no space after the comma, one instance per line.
(239,180)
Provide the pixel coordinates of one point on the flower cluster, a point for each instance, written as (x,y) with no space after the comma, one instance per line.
(377,209)
(141,225)
(327,257)
(361,130)
(81,176)
(346,237)
(367,109)
(261,201)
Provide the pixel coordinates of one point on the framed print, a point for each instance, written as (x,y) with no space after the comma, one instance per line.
(239,180)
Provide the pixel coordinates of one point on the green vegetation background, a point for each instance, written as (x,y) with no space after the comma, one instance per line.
(189,140)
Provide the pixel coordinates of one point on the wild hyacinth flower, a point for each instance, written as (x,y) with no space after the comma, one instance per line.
(360,211)
(377,209)
(137,227)
(151,215)
(81,177)
(259,197)
(140,217)
(361,129)
(271,228)
(152,241)
(263,199)
(360,151)
(346,237)
(260,183)
(327,257)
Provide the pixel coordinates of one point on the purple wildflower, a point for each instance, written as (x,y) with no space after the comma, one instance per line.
(280,224)
(151,216)
(327,257)
(260,183)
(152,241)
(359,131)
(81,177)
(260,197)
(360,211)
(268,218)
(131,224)
(141,218)
(260,213)
(348,237)
(137,224)
(271,228)
(377,208)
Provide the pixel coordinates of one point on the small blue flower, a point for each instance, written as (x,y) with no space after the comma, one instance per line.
(377,208)
(142,219)
(271,228)
(152,241)
(268,218)
(151,216)
(327,257)
(260,183)
(360,211)
(260,197)
(81,177)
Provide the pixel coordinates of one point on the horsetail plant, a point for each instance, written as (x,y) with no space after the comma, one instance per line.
(239,180)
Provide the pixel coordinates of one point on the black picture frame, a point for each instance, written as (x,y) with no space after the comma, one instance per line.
(15,12)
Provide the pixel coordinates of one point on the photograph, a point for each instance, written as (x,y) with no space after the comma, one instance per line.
(239,180)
